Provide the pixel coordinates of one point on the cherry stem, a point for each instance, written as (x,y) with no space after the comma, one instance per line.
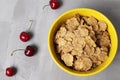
(16,50)
(45,6)
(31,22)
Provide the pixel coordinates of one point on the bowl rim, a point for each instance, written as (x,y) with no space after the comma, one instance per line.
(73,73)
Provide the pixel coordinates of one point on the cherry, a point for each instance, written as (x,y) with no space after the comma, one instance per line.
(10,71)
(54,4)
(29,51)
(24,36)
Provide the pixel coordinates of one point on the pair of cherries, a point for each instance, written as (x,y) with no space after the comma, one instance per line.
(29,51)
(24,37)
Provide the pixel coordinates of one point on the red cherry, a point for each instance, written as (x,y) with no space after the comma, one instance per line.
(29,51)
(10,71)
(54,4)
(24,36)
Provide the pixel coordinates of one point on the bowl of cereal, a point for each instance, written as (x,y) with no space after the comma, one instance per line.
(82,42)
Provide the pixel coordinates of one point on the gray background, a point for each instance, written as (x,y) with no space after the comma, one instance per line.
(14,18)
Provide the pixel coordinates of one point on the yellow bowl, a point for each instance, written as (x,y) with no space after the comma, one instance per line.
(84,12)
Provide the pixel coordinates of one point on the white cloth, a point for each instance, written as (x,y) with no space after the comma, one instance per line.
(14,18)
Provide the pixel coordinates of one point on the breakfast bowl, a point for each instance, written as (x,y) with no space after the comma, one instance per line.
(83,12)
